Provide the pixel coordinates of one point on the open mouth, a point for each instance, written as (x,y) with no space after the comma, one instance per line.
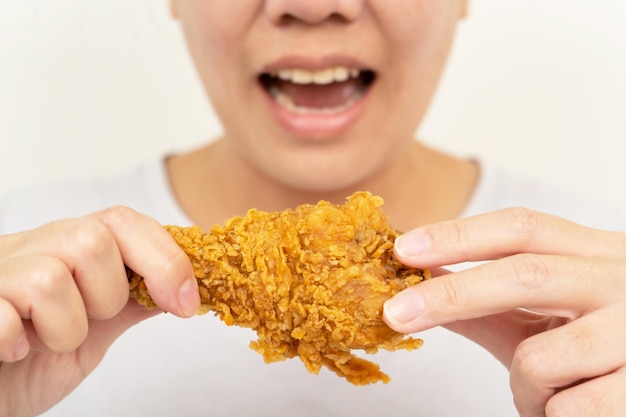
(326,91)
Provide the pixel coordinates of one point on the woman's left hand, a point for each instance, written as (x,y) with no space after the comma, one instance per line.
(549,303)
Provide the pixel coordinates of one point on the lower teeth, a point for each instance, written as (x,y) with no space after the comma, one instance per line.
(285,101)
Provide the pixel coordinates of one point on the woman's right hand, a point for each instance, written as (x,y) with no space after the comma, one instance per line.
(64,299)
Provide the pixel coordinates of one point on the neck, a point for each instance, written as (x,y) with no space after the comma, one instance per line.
(423,186)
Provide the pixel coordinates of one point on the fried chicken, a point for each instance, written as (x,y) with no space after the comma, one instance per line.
(310,281)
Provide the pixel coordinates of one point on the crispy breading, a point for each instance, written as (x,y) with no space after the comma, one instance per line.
(310,281)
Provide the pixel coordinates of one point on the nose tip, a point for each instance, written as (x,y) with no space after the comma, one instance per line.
(312,11)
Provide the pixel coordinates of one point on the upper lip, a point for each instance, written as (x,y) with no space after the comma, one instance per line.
(313,63)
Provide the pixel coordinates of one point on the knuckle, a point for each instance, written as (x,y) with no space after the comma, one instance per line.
(524,223)
(530,271)
(92,237)
(48,276)
(453,292)
(118,215)
(54,305)
(164,279)
(531,362)
(177,264)
(457,232)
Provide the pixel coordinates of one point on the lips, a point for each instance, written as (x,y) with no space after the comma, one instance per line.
(317,102)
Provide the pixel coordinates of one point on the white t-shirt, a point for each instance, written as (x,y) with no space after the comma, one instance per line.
(166,366)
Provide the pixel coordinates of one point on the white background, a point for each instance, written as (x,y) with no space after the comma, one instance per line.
(92,87)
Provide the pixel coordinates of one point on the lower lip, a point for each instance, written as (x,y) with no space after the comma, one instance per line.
(318,127)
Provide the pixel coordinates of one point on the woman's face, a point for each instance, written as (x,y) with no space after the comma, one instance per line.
(319,94)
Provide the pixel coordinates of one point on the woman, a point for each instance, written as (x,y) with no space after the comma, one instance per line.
(318,100)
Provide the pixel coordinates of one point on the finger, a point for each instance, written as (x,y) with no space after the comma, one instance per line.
(13,341)
(556,285)
(502,233)
(148,249)
(580,350)
(91,252)
(97,247)
(41,289)
(603,396)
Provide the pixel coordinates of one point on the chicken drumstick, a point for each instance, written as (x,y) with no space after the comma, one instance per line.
(310,281)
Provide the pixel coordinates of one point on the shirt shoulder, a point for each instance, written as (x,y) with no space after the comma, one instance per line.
(144,188)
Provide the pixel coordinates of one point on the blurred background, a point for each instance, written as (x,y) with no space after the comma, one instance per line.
(93,87)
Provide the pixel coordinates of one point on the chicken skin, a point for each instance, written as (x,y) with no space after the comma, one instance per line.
(311,282)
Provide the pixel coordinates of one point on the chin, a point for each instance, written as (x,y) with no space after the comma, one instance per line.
(324,182)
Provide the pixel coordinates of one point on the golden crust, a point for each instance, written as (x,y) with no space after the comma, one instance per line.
(310,281)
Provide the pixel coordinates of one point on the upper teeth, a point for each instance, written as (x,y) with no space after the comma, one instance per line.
(325,76)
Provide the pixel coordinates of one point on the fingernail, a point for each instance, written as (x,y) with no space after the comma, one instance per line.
(404,307)
(21,348)
(188,297)
(412,243)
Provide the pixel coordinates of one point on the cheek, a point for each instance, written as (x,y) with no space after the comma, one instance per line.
(426,27)
(421,42)
(215,32)
(215,29)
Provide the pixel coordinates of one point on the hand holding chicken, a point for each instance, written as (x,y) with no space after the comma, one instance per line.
(64,299)
(548,300)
